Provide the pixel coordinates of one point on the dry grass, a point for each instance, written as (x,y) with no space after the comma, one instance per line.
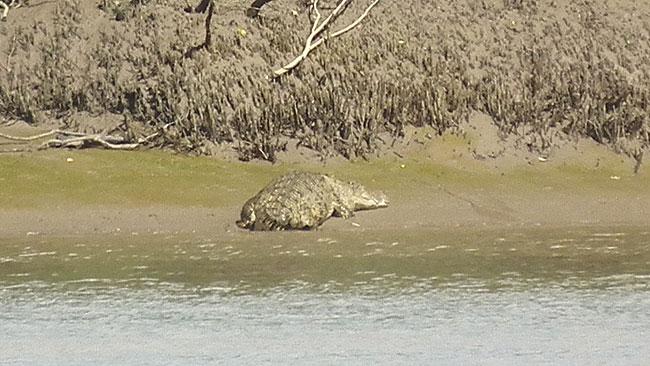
(537,78)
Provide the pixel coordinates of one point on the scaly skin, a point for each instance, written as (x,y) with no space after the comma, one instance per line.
(303,200)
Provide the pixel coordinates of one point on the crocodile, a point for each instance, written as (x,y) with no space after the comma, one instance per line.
(303,200)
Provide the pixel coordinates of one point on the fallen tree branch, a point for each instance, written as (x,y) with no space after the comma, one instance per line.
(317,29)
(72,139)
(108,142)
(80,140)
(40,136)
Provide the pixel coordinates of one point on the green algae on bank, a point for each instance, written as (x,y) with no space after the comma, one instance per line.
(146,178)
(122,178)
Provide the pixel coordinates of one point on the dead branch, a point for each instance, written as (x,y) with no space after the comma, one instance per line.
(316,38)
(208,22)
(255,7)
(79,140)
(204,6)
(5,8)
(108,142)
(10,53)
(40,136)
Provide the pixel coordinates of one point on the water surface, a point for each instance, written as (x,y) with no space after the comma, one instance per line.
(455,296)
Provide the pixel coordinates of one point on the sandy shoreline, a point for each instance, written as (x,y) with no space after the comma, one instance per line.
(437,211)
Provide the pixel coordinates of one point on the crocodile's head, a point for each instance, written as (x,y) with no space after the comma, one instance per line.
(362,199)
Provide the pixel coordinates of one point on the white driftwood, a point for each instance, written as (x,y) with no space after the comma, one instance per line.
(78,140)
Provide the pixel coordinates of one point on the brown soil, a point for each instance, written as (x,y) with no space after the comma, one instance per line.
(435,209)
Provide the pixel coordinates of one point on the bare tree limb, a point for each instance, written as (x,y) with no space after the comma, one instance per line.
(11,52)
(314,8)
(356,22)
(255,7)
(317,30)
(205,5)
(79,140)
(40,136)
(5,7)
(5,10)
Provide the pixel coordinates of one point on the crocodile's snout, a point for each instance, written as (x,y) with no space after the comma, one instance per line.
(366,201)
(381,200)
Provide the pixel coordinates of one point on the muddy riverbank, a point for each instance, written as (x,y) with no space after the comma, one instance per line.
(432,182)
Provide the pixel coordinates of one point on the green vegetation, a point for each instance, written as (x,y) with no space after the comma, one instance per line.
(118,178)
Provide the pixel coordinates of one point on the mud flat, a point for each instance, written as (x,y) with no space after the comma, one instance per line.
(432,182)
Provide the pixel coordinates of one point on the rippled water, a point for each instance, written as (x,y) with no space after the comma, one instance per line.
(495,297)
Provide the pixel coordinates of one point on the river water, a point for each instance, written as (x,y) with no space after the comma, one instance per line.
(558,296)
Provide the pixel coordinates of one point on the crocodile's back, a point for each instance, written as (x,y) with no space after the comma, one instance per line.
(298,200)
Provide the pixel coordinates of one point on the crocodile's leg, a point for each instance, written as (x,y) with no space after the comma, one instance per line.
(342,211)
